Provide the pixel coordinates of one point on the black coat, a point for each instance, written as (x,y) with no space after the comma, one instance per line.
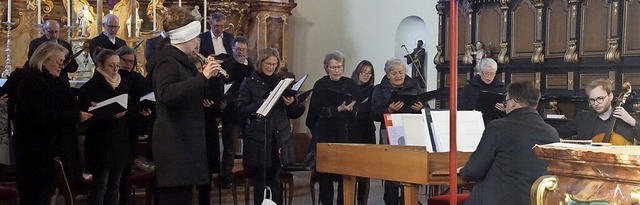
(273,131)
(324,120)
(362,112)
(178,133)
(70,68)
(504,164)
(382,93)
(237,73)
(134,82)
(106,141)
(206,43)
(45,122)
(103,41)
(471,93)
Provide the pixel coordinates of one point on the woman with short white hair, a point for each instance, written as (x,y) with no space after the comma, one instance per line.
(397,81)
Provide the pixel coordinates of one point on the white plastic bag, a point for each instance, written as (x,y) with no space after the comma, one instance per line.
(267,200)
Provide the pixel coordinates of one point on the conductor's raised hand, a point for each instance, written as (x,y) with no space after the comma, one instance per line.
(212,68)
(417,106)
(288,100)
(394,107)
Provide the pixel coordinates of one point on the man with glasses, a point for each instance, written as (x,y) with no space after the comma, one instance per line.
(52,33)
(497,164)
(484,81)
(107,39)
(598,120)
(216,41)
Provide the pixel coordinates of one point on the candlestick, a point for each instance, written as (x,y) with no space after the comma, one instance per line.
(9,11)
(204,26)
(155,4)
(7,67)
(39,12)
(180,3)
(68,12)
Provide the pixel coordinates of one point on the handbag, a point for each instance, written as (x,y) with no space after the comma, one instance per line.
(267,200)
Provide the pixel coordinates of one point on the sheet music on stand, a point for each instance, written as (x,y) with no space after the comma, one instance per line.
(274,96)
(470,128)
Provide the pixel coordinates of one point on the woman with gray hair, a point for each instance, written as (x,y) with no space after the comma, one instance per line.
(45,121)
(484,81)
(397,81)
(330,120)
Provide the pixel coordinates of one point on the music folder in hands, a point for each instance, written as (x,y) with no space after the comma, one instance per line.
(303,96)
(409,99)
(110,107)
(147,101)
(274,97)
(487,103)
(291,92)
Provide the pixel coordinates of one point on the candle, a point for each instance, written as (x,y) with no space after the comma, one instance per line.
(39,12)
(180,3)
(9,11)
(204,27)
(155,4)
(68,12)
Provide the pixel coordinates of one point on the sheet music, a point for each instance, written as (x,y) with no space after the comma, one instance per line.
(298,84)
(414,129)
(120,99)
(149,96)
(396,135)
(274,96)
(469,130)
(226,87)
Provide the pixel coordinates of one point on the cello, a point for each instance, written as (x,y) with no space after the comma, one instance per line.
(611,136)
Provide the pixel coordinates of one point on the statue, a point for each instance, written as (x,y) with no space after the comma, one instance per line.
(481,51)
(196,13)
(138,24)
(84,21)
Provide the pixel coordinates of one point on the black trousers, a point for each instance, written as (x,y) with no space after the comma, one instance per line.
(325,181)
(178,195)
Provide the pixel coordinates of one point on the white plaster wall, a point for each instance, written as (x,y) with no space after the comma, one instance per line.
(361,29)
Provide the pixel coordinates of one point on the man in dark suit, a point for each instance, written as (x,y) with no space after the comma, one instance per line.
(497,164)
(216,41)
(151,45)
(107,39)
(238,67)
(51,33)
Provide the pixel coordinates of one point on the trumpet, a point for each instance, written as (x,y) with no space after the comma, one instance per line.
(206,61)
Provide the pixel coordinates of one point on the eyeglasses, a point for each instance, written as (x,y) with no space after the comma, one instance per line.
(52,32)
(270,64)
(112,27)
(366,73)
(57,62)
(507,100)
(335,67)
(598,100)
(488,74)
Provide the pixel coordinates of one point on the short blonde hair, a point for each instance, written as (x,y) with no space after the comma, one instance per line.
(44,52)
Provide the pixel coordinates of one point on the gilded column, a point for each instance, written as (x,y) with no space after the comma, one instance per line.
(269,27)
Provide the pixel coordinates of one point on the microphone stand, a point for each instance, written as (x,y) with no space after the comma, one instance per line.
(417,64)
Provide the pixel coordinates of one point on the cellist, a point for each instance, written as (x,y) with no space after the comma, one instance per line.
(598,120)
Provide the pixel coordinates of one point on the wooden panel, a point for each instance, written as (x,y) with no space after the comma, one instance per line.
(557,81)
(633,78)
(531,77)
(585,79)
(631,39)
(557,28)
(488,28)
(523,30)
(462,80)
(463,19)
(594,28)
